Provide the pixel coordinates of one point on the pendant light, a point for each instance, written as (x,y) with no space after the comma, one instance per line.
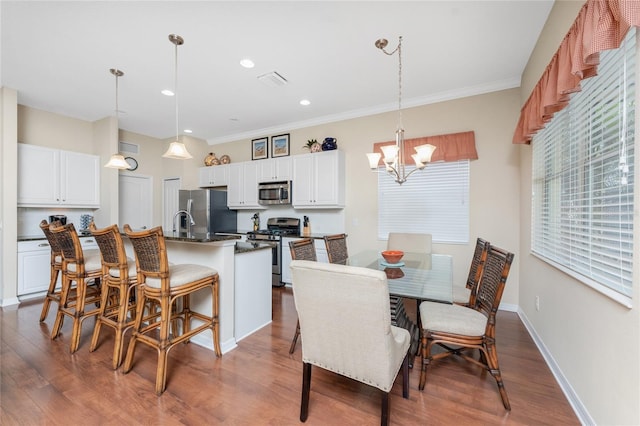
(176,150)
(117,161)
(394,156)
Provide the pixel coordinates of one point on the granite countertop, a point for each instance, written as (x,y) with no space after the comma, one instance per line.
(42,237)
(197,238)
(315,236)
(201,238)
(246,247)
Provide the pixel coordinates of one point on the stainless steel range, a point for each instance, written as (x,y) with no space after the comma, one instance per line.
(277,227)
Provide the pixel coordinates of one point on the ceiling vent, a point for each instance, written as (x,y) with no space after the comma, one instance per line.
(128,147)
(273,79)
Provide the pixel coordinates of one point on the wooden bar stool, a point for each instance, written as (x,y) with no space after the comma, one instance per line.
(117,303)
(166,284)
(85,272)
(53,295)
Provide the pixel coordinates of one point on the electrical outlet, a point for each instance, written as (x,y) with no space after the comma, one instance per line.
(537,303)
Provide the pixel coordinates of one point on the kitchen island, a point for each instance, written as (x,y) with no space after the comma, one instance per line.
(244,269)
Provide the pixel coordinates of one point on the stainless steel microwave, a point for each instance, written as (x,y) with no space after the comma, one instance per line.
(274,192)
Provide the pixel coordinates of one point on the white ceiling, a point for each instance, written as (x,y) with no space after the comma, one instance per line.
(57,55)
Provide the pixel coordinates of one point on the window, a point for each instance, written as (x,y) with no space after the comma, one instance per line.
(583,179)
(434,201)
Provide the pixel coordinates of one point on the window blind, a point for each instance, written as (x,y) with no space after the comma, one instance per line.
(434,200)
(583,178)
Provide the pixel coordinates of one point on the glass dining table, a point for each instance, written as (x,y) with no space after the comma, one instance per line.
(418,276)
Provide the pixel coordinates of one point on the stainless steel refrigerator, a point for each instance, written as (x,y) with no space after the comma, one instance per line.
(204,212)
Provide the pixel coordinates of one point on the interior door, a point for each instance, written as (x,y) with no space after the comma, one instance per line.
(170,188)
(135,201)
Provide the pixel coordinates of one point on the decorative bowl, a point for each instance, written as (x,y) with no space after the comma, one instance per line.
(393,273)
(392,256)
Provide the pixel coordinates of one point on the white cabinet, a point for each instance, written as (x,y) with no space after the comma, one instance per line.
(213,176)
(51,177)
(321,256)
(318,180)
(242,190)
(275,169)
(34,264)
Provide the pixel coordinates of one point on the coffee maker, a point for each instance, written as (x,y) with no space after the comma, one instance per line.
(59,217)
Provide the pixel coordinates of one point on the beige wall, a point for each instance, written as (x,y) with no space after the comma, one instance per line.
(594,340)
(8,196)
(152,164)
(494,207)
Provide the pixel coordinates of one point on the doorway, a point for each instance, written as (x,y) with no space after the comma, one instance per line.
(170,188)
(135,201)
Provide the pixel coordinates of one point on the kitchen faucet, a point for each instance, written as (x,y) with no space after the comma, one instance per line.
(189,225)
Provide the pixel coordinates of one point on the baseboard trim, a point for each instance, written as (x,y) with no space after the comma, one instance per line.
(575,402)
(10,302)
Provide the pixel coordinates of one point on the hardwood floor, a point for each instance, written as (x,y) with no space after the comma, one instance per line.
(258,383)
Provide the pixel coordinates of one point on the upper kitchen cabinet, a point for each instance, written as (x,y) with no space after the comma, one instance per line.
(275,169)
(242,190)
(209,177)
(318,180)
(54,178)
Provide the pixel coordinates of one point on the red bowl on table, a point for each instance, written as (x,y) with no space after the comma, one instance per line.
(392,256)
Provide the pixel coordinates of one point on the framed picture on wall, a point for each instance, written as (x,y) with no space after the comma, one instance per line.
(280,145)
(259,148)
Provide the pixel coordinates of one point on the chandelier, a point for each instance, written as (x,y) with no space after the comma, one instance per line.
(176,150)
(117,161)
(394,154)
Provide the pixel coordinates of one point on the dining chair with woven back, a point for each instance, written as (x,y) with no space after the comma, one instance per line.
(85,271)
(304,249)
(117,303)
(456,328)
(53,294)
(466,296)
(337,248)
(167,284)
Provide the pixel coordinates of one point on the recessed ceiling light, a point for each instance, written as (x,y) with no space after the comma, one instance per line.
(188,131)
(247,63)
(305,102)
(167,92)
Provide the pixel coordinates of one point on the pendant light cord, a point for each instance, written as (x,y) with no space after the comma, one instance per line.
(175,89)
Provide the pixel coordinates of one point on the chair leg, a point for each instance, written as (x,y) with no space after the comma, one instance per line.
(384,417)
(104,296)
(121,320)
(292,348)
(50,293)
(215,317)
(142,301)
(306,387)
(64,296)
(163,344)
(77,315)
(405,376)
(492,361)
(426,358)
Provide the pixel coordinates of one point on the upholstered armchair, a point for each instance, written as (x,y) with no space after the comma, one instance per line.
(345,326)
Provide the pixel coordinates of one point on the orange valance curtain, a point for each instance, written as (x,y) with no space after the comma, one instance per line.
(600,25)
(451,147)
